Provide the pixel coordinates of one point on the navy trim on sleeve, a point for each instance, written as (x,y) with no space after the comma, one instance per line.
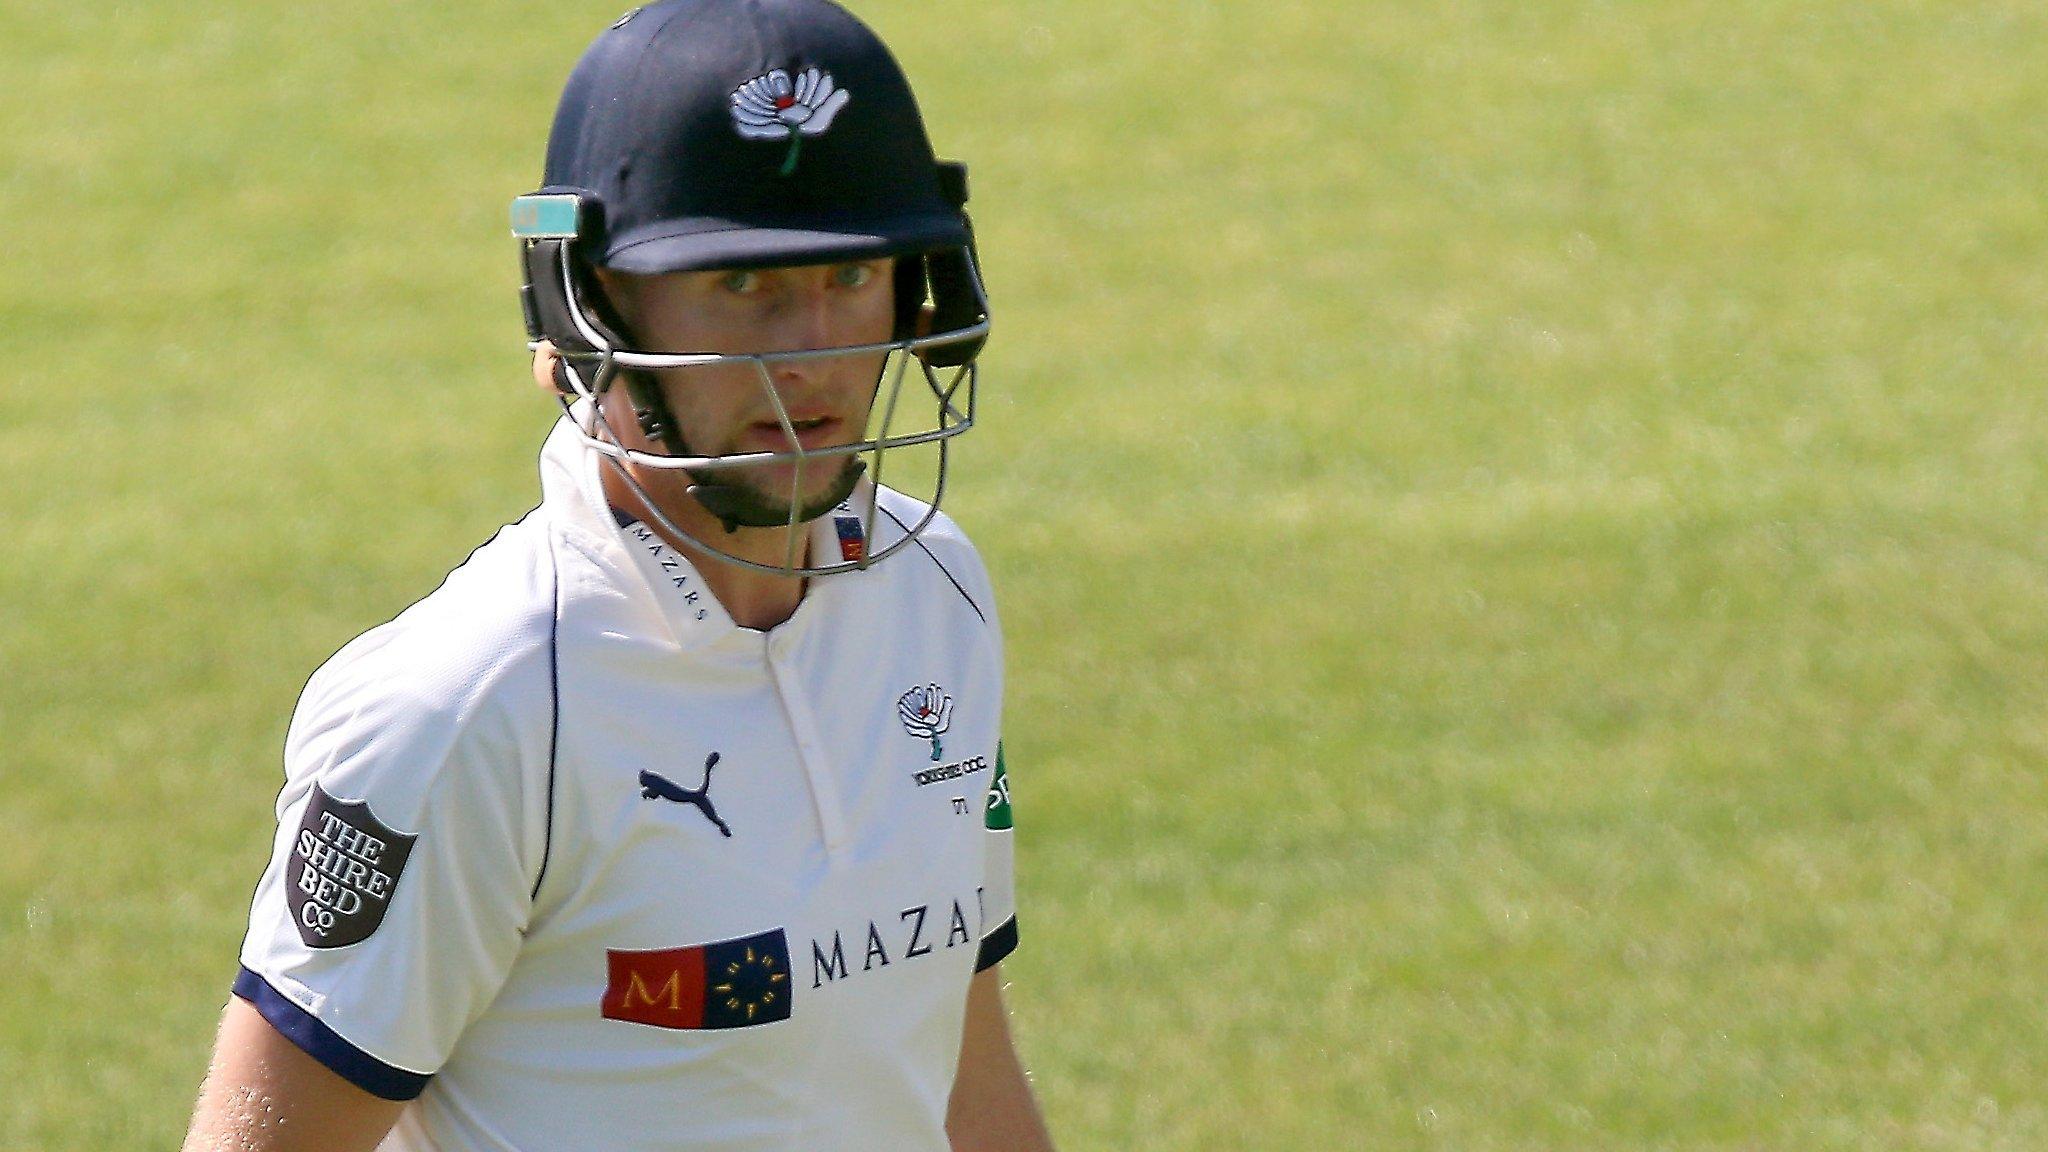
(326,1045)
(996,945)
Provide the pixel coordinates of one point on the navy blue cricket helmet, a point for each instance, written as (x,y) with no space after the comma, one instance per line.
(713,134)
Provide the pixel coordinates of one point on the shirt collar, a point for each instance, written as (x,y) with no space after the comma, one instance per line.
(647,568)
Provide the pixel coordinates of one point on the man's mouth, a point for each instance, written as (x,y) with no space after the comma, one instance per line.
(812,432)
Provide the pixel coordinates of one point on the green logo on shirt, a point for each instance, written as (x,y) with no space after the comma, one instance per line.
(999,796)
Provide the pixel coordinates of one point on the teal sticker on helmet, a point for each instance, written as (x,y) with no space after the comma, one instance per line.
(998,814)
(549,217)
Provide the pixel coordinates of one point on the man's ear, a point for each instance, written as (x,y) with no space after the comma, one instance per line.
(550,372)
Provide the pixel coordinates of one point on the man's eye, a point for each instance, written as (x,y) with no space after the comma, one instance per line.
(852,275)
(740,283)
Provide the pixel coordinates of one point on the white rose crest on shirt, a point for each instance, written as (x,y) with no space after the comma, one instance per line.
(926,713)
(776,106)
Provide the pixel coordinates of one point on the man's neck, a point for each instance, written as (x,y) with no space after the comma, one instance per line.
(757,600)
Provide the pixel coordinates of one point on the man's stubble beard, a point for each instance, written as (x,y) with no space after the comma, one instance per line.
(743,502)
(749,503)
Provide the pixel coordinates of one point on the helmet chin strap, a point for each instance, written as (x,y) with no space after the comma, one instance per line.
(651,412)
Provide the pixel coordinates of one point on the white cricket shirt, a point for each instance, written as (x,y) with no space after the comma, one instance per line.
(574,862)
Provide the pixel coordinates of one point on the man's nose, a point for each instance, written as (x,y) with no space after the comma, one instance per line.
(808,320)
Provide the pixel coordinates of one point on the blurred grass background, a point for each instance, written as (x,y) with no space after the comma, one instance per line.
(1520,528)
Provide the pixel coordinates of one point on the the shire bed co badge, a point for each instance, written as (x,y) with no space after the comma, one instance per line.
(345,868)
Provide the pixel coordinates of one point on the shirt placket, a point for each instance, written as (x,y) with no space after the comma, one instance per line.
(810,749)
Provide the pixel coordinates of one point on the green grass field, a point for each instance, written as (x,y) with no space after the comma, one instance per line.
(1521,529)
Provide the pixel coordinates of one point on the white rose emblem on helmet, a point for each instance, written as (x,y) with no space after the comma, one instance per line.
(775,107)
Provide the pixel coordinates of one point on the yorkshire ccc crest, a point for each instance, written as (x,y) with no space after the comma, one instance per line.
(776,106)
(926,713)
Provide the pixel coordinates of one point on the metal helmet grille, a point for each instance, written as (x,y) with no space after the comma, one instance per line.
(915,405)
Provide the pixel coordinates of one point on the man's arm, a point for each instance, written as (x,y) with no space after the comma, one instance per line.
(263,1094)
(992,1109)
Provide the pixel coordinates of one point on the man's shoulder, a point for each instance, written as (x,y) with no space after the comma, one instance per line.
(480,643)
(900,513)
(942,548)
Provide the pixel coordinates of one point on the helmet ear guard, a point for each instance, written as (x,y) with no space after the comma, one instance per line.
(958,299)
(957,302)
(548,223)
(942,291)
(552,315)
(564,305)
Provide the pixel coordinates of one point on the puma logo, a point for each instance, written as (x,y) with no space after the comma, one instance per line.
(655,786)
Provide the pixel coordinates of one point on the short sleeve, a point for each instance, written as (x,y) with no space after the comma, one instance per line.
(999,886)
(411,831)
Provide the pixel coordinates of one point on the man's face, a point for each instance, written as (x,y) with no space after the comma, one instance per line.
(724,410)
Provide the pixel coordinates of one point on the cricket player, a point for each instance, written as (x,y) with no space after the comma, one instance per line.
(677,817)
